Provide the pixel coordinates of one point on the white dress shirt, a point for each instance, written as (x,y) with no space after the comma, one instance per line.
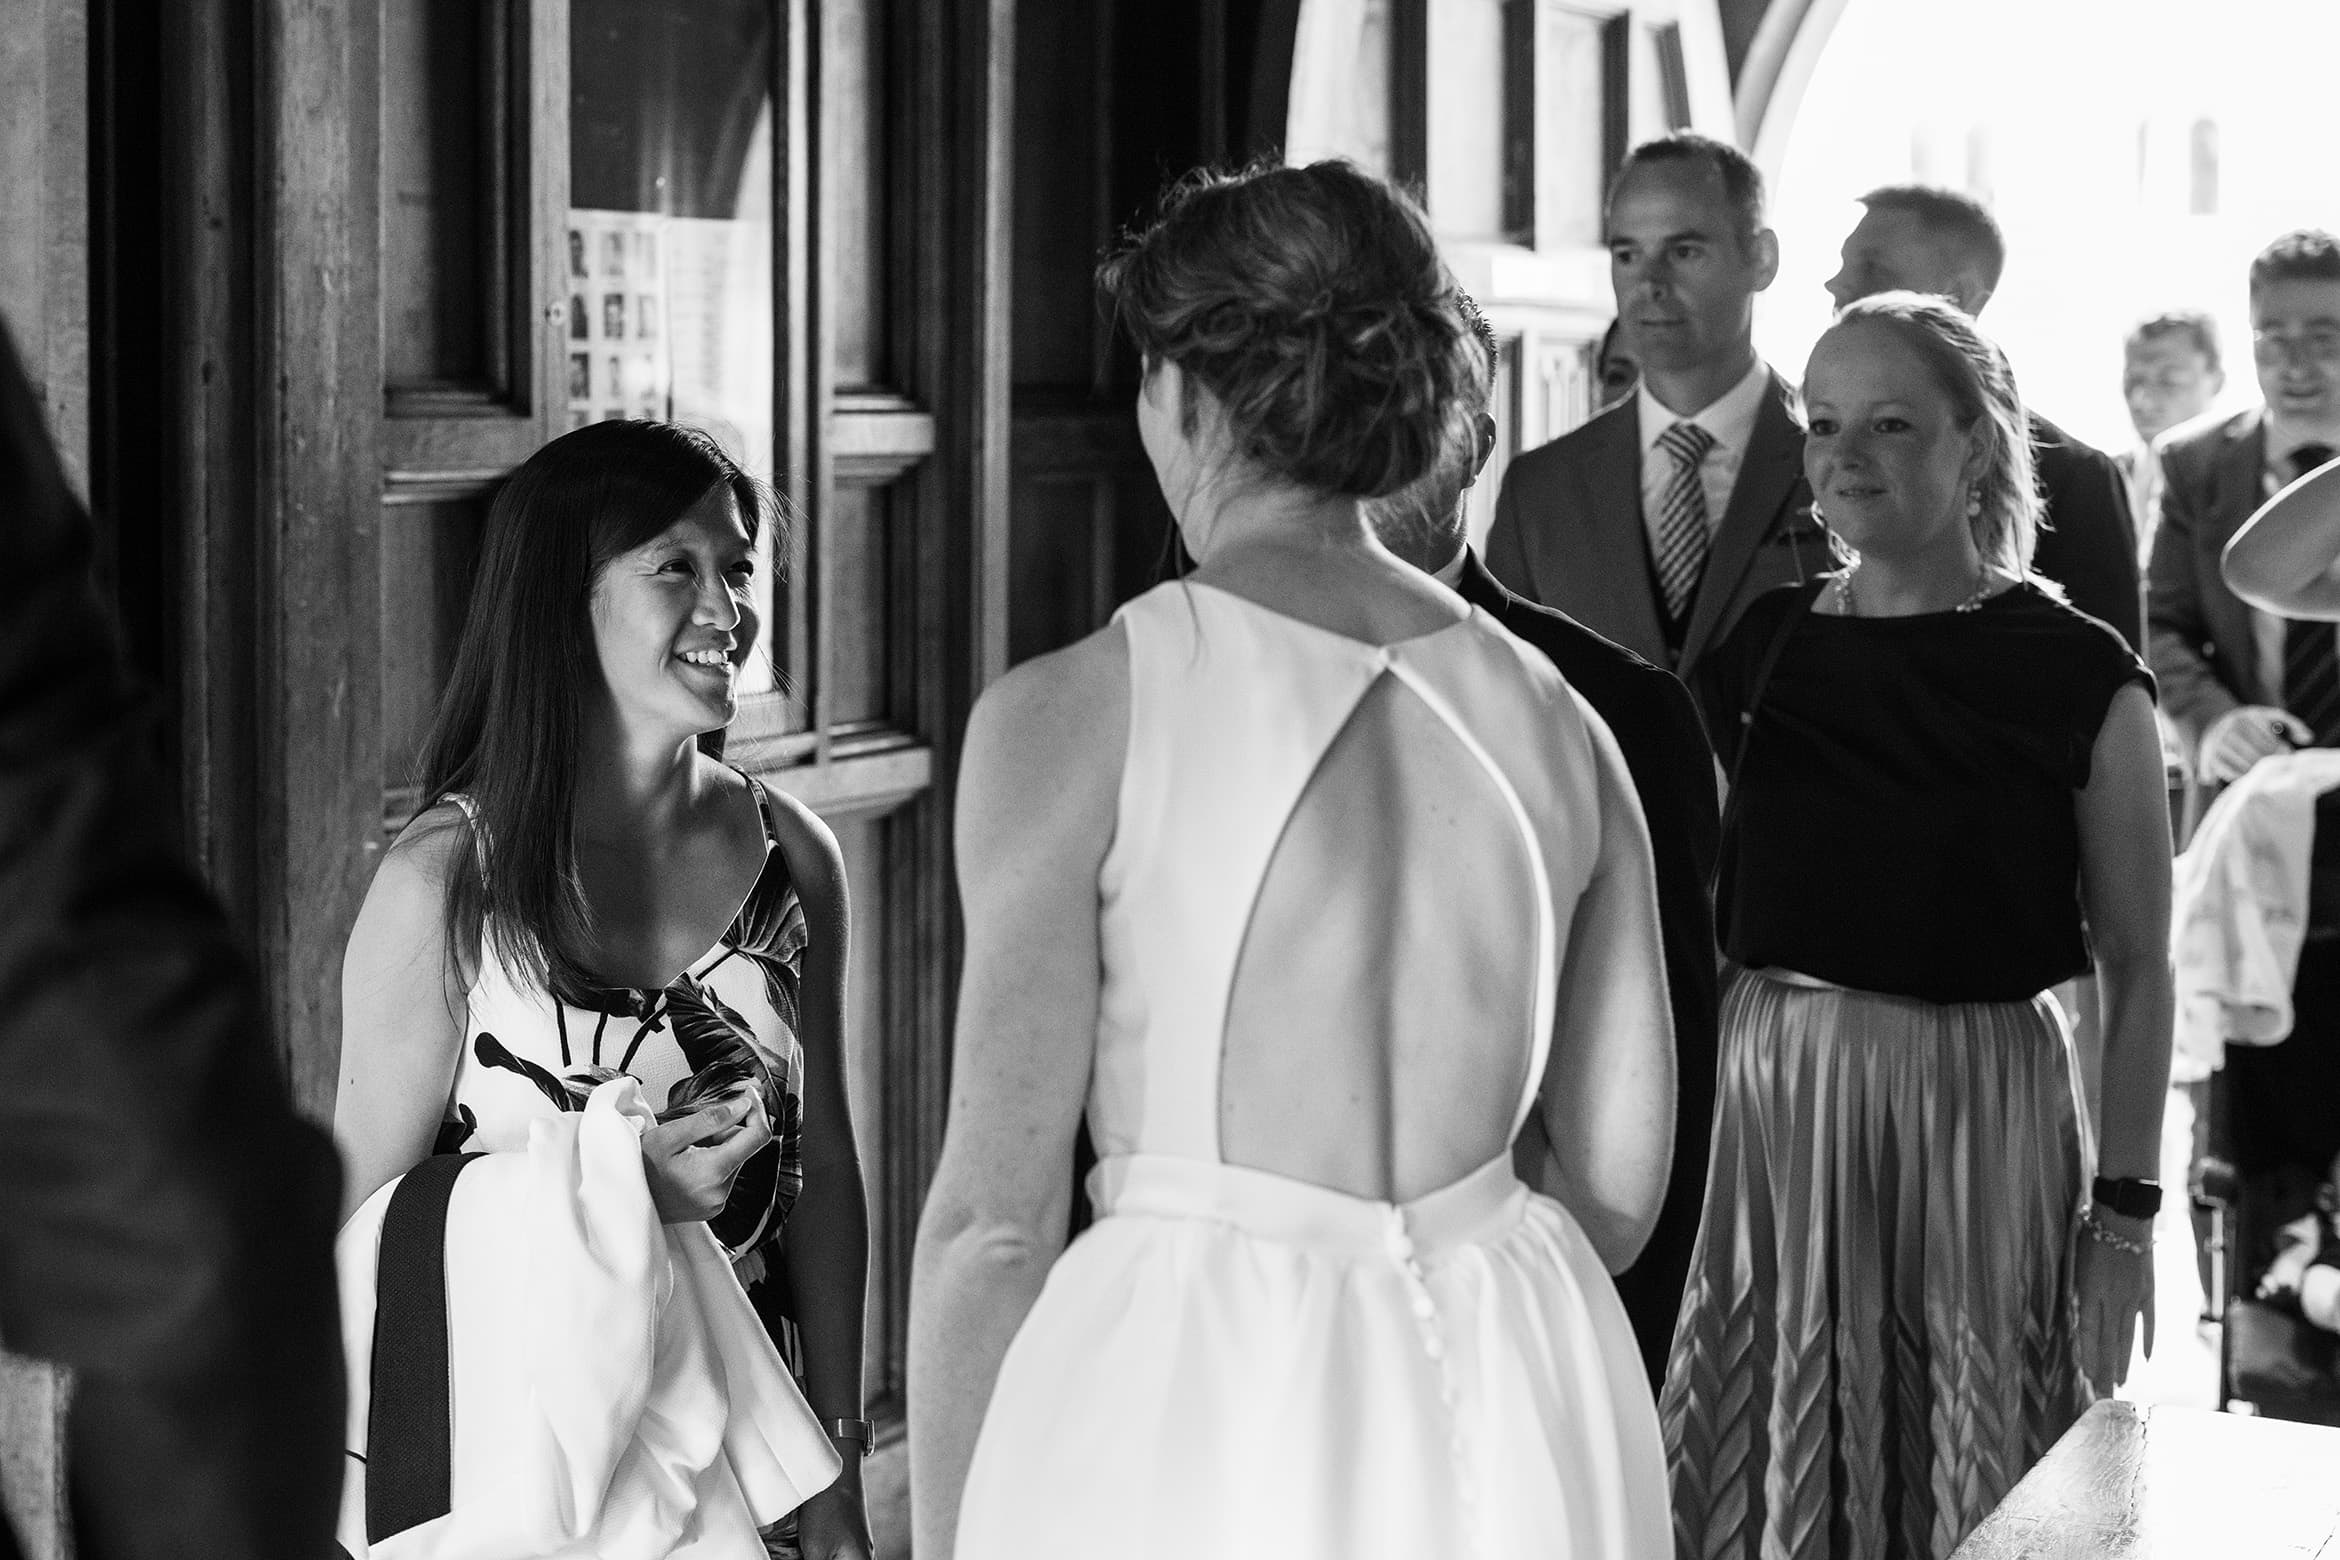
(1729,418)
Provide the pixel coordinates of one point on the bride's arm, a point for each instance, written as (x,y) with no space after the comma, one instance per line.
(1036,800)
(1608,1093)
(2286,558)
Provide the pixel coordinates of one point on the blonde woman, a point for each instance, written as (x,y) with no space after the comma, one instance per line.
(1947,800)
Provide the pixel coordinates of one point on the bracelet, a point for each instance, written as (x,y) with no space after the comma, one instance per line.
(858,1432)
(2105,1235)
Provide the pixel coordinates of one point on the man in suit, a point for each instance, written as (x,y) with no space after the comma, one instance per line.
(1657,522)
(166,1220)
(2241,685)
(1658,732)
(1923,239)
(2170,375)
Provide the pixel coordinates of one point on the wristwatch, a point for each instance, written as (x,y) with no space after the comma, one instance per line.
(2128,1196)
(860,1432)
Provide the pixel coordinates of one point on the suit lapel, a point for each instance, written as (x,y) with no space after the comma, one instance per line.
(2241,481)
(2238,485)
(1767,474)
(1480,588)
(1610,580)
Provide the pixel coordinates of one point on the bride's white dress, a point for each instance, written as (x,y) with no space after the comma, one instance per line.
(1234,1363)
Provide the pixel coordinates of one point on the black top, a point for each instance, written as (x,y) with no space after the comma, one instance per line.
(1905,818)
(1656,725)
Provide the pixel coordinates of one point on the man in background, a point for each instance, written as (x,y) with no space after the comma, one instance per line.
(1920,238)
(1664,747)
(1616,373)
(2241,685)
(1658,521)
(166,1221)
(2170,374)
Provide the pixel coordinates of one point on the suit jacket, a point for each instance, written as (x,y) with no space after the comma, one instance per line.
(2200,641)
(1658,732)
(1568,532)
(2089,545)
(166,1220)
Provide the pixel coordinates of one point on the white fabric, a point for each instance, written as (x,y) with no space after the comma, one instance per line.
(2319,1297)
(2141,472)
(1240,1364)
(1730,417)
(2239,912)
(613,1393)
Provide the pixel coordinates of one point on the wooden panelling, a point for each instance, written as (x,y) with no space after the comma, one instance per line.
(876,437)
(34,1501)
(857,560)
(854,87)
(44,212)
(1055,562)
(439,282)
(429,550)
(1466,124)
(1563,79)
(319,640)
(1063,166)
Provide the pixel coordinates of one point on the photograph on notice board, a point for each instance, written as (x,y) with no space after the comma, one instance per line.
(619,363)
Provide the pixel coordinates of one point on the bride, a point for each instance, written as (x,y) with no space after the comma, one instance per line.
(1313,888)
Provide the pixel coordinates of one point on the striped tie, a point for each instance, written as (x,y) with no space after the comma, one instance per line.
(1681,528)
(2311,673)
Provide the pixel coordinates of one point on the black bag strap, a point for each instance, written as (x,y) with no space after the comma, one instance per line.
(409,1434)
(1785,630)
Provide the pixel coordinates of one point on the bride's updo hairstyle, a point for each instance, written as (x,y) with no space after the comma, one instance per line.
(1312,304)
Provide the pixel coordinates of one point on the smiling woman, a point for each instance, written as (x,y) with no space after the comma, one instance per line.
(613,966)
(678,614)
(1938,769)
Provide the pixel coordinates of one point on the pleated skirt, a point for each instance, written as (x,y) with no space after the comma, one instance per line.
(1877,1338)
(1238,1365)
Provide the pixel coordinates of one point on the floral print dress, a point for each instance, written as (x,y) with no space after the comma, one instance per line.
(731,1017)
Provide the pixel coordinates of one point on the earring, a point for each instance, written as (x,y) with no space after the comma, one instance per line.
(1973,502)
(1817,517)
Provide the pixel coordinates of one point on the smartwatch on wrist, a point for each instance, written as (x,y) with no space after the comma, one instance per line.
(2128,1196)
(859,1433)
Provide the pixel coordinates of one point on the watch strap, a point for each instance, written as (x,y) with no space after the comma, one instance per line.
(860,1432)
(2128,1196)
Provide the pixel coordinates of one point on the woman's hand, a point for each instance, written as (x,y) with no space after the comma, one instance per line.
(832,1525)
(691,1161)
(2115,1287)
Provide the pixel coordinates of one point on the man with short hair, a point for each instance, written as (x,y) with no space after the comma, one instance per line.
(2170,374)
(1664,746)
(1921,238)
(1658,521)
(2222,666)
(2241,685)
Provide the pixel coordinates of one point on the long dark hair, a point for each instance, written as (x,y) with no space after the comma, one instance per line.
(510,723)
(1312,303)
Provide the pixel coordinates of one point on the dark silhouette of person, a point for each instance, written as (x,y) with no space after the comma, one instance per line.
(166,1219)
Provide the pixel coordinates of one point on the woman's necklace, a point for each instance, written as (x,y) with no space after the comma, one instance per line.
(1844,592)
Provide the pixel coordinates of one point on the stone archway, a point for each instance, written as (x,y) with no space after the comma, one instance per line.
(1786,45)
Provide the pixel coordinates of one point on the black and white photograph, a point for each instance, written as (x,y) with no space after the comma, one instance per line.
(1141,779)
